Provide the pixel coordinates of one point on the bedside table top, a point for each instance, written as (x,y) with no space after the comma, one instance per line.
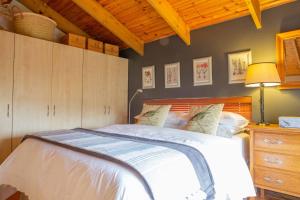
(273,128)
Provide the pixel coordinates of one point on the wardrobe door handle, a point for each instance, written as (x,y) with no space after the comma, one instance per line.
(104,110)
(109,110)
(54,110)
(7,113)
(48,111)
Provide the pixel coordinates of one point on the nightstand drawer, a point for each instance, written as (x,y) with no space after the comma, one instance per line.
(276,180)
(279,161)
(278,142)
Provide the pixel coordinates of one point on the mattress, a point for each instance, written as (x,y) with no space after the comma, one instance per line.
(57,173)
(242,141)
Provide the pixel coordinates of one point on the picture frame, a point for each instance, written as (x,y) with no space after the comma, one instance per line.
(148,76)
(202,71)
(237,66)
(172,75)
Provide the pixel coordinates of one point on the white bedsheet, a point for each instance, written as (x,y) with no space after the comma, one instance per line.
(242,142)
(46,172)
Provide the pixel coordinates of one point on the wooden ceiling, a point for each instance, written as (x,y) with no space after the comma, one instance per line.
(149,20)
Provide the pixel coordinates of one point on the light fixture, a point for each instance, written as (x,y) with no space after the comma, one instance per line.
(131,99)
(262,75)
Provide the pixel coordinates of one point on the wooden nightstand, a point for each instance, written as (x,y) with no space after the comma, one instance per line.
(275,159)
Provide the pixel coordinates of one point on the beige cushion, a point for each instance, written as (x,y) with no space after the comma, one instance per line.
(154,115)
(205,119)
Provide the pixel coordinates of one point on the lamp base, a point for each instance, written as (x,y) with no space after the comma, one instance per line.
(262,124)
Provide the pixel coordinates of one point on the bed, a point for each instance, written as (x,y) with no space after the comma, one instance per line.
(46,171)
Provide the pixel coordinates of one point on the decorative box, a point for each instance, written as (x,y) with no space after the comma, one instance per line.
(95,45)
(74,40)
(289,122)
(111,49)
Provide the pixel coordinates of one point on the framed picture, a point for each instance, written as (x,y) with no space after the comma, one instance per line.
(237,66)
(202,69)
(148,74)
(172,75)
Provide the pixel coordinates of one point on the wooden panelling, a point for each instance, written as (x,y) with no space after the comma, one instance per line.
(66,87)
(255,11)
(104,17)
(241,105)
(6,86)
(142,19)
(32,86)
(170,15)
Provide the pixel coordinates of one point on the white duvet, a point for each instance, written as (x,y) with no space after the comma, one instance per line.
(47,172)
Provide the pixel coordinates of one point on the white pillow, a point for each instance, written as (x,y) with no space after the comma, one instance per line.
(176,120)
(231,124)
(228,131)
(233,119)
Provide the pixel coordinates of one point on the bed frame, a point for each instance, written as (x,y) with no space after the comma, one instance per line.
(240,105)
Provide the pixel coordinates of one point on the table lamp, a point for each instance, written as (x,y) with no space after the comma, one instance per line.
(262,75)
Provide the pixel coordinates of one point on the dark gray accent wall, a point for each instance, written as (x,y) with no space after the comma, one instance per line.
(217,41)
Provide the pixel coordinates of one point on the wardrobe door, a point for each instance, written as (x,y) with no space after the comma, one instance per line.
(66,87)
(6,88)
(32,86)
(118,89)
(94,110)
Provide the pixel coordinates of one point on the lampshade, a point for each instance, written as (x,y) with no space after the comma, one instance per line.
(262,73)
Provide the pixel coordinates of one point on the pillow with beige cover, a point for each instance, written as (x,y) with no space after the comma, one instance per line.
(154,115)
(205,119)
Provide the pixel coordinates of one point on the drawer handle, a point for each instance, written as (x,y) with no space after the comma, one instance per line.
(273,160)
(268,179)
(279,181)
(268,141)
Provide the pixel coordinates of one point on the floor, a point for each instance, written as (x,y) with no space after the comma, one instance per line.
(277,196)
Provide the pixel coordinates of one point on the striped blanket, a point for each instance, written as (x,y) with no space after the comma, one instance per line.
(134,153)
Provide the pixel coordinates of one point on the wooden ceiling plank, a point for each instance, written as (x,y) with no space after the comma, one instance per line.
(38,6)
(170,15)
(255,11)
(94,9)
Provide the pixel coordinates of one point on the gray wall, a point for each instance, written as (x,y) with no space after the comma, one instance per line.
(217,41)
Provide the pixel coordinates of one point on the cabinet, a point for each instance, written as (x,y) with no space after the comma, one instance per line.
(105,85)
(118,90)
(94,109)
(48,86)
(66,87)
(32,86)
(6,86)
(275,159)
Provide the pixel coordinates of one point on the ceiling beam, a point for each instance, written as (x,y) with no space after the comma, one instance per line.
(99,13)
(255,11)
(170,15)
(38,6)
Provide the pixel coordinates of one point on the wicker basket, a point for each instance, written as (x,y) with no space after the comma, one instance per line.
(6,16)
(34,25)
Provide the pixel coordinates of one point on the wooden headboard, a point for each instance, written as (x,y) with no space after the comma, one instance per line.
(240,105)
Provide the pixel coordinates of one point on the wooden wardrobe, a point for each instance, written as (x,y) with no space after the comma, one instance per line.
(49,86)
(6,89)
(105,90)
